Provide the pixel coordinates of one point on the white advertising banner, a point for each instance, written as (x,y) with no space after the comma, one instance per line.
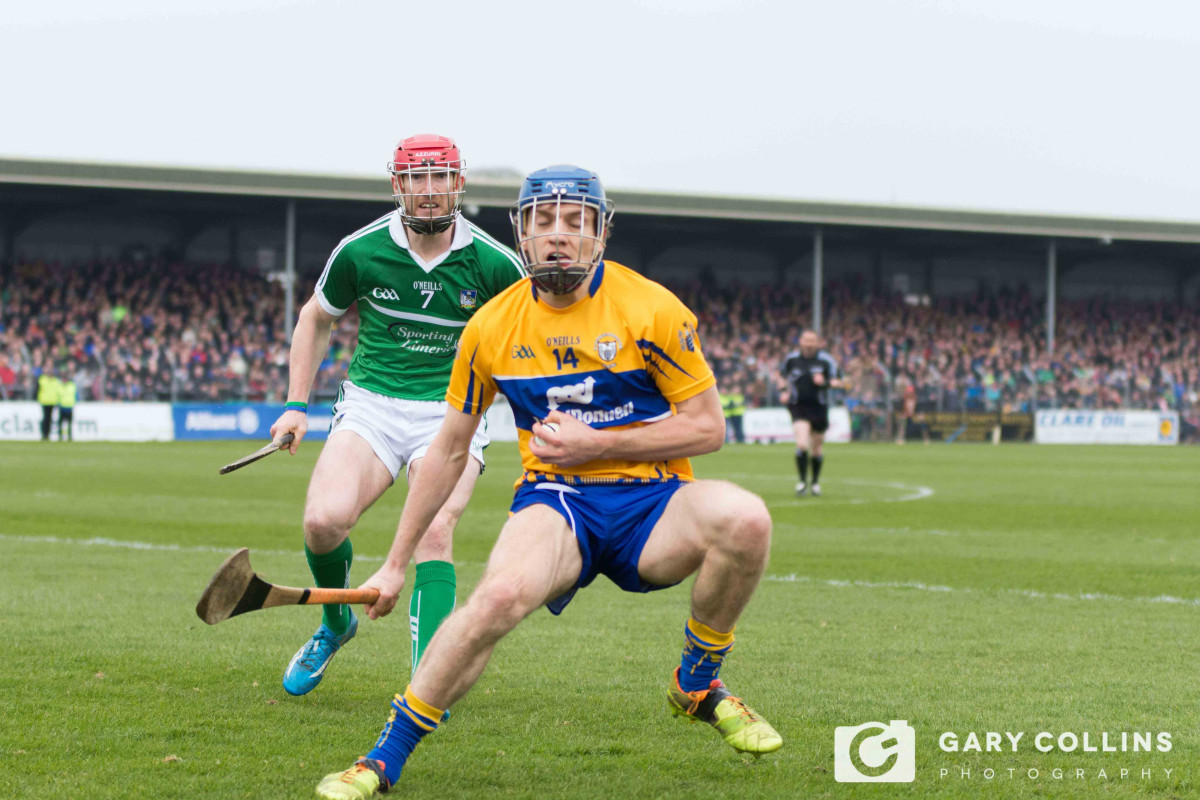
(1106,427)
(94,422)
(775,425)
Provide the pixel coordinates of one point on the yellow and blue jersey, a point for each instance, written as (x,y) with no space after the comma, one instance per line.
(621,357)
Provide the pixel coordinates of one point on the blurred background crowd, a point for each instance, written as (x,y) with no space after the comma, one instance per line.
(127,330)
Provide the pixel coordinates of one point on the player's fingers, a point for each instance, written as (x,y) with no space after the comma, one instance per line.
(542,451)
(383,606)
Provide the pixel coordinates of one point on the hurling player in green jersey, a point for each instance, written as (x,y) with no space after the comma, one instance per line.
(418,274)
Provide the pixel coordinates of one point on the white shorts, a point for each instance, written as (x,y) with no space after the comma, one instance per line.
(399,431)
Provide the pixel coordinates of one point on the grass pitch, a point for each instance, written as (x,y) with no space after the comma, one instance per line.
(960,588)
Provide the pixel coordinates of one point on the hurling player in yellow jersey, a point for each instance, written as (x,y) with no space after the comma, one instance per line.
(611,395)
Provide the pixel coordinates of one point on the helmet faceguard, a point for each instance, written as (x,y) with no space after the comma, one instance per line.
(558,240)
(428,182)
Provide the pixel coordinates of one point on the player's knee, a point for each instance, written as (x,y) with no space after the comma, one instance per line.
(746,525)
(499,604)
(325,527)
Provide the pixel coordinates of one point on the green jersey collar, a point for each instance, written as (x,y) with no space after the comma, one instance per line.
(462,238)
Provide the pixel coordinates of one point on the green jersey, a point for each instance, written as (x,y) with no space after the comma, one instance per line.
(411,312)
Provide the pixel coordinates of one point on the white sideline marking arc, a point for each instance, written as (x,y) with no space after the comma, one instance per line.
(1030,593)
(99,541)
(914,492)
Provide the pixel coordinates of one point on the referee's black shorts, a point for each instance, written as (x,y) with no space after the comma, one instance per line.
(816,415)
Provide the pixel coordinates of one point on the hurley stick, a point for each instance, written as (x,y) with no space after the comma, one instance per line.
(236,589)
(278,444)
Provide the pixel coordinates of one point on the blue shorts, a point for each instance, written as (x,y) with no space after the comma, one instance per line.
(611,524)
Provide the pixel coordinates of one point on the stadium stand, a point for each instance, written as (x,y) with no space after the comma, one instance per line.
(151,330)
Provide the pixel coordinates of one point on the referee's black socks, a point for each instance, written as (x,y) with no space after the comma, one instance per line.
(817,462)
(802,465)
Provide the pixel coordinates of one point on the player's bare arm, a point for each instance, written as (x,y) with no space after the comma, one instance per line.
(698,427)
(310,340)
(441,467)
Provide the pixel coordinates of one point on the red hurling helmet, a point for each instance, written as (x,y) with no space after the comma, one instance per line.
(428,180)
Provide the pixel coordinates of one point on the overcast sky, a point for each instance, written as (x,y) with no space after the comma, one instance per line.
(1068,107)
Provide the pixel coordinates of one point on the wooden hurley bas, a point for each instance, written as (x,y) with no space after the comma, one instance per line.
(236,589)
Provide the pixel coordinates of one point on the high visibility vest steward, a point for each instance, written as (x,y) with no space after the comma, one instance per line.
(734,405)
(48,389)
(68,393)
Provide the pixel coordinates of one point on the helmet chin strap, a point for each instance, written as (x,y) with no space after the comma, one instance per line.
(426,226)
(559,280)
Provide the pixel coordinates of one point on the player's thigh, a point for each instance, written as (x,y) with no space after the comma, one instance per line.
(817,443)
(700,515)
(347,479)
(535,559)
(802,429)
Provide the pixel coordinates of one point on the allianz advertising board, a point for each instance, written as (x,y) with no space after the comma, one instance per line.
(210,421)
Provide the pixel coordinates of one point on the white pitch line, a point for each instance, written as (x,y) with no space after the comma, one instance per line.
(914,492)
(1030,593)
(100,541)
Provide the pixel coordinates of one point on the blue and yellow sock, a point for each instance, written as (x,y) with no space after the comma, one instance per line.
(410,720)
(704,651)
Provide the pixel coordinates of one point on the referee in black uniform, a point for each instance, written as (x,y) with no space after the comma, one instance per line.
(808,374)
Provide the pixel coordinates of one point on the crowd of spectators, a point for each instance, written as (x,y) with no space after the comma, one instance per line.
(129,330)
(169,331)
(985,352)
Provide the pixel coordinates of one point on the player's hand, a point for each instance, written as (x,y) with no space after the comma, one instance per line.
(818,379)
(572,444)
(293,422)
(389,582)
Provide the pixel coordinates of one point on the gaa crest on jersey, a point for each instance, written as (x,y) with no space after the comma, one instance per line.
(607,347)
(467,298)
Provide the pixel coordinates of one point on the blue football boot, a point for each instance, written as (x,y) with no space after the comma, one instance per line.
(308,666)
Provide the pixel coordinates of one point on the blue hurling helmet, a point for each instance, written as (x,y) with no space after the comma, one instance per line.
(569,248)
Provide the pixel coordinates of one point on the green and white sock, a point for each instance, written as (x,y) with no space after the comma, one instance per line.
(332,571)
(432,601)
